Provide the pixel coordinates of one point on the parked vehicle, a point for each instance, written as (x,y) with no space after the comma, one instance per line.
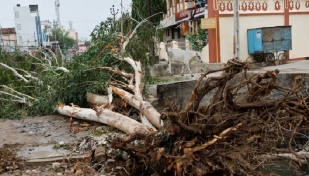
(269,45)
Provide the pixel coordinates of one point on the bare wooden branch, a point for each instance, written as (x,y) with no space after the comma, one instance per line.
(115,70)
(14,72)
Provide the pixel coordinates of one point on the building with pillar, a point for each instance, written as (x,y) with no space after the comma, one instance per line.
(180,21)
(253,14)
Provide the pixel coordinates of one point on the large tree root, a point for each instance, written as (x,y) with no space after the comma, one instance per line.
(237,132)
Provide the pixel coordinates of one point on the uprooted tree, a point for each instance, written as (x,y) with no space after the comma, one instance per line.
(239,130)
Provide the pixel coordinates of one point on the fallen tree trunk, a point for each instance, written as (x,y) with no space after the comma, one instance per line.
(152,115)
(107,117)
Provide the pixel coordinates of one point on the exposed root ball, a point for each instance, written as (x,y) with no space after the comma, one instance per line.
(233,135)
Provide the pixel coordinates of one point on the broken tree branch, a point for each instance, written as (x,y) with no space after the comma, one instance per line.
(15,72)
(107,117)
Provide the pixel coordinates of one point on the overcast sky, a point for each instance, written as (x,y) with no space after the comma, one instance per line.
(85,14)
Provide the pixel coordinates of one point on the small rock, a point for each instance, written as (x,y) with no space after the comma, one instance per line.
(111,161)
(99,129)
(75,123)
(118,168)
(36,171)
(28,172)
(61,143)
(125,155)
(55,165)
(100,154)
(59,173)
(31,133)
(79,172)
(69,172)
(85,128)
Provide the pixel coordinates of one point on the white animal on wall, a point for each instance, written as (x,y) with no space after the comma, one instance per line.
(181,56)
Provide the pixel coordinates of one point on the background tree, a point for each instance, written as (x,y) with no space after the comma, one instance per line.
(62,38)
(140,10)
(199,41)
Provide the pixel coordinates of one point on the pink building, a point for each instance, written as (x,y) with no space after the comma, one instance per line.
(82,47)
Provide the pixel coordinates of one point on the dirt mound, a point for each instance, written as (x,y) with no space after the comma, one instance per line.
(9,160)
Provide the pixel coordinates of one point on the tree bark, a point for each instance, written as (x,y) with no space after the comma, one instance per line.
(145,107)
(107,117)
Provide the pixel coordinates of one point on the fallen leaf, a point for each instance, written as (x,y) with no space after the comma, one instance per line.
(85,160)
(105,104)
(76,130)
(85,124)
(160,153)
(77,166)
(58,127)
(60,104)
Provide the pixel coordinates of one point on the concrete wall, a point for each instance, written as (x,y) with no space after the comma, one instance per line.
(300,35)
(181,91)
(205,54)
(28,27)
(246,22)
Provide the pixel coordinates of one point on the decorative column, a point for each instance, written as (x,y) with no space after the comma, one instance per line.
(213,39)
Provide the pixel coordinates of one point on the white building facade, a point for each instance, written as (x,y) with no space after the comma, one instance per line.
(26,27)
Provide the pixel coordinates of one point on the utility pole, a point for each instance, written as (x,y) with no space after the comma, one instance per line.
(57,7)
(121,24)
(236,44)
(149,14)
(112,10)
(63,40)
(149,10)
(113,13)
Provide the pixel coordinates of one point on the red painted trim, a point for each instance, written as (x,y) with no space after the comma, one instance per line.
(250,14)
(218,32)
(296,59)
(286,18)
(298,13)
(213,52)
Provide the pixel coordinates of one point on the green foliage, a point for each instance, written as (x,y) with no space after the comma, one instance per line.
(10,108)
(199,41)
(58,86)
(62,38)
(140,10)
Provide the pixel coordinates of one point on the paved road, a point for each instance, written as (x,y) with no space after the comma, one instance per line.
(291,67)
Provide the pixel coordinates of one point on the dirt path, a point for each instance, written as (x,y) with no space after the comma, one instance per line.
(33,138)
(33,131)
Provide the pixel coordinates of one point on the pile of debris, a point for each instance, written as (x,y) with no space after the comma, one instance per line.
(237,132)
(9,160)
